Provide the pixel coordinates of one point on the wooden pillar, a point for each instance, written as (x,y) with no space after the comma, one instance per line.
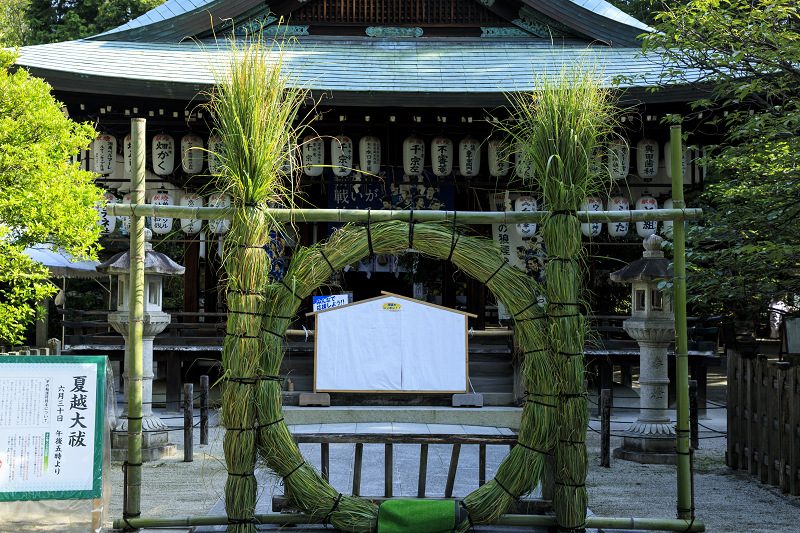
(191,279)
(211,274)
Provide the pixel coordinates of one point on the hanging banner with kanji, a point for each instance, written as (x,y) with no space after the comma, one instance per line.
(51,421)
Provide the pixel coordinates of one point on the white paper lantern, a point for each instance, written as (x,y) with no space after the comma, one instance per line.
(106,221)
(219,199)
(369,155)
(592,204)
(192,154)
(647,159)
(313,155)
(216,149)
(523,167)
(342,155)
(413,155)
(618,203)
(442,156)
(647,227)
(161,225)
(127,154)
(525,203)
(469,157)
(81,159)
(163,154)
(498,158)
(126,221)
(287,163)
(104,152)
(190,225)
(619,159)
(687,178)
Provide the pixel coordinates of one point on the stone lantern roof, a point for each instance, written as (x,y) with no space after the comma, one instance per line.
(653,265)
(154,262)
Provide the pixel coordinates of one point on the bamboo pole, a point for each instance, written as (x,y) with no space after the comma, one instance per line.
(136,324)
(384,215)
(621,523)
(685,503)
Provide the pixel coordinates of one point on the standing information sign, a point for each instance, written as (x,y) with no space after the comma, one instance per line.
(52,412)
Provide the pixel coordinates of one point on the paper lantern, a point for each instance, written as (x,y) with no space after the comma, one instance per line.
(216,149)
(442,156)
(619,159)
(413,155)
(106,221)
(526,203)
(592,204)
(219,199)
(523,167)
(163,154)
(469,157)
(287,163)
(192,154)
(342,155)
(647,227)
(127,153)
(684,161)
(369,155)
(126,221)
(618,203)
(190,225)
(161,225)
(498,158)
(313,155)
(647,159)
(81,159)
(104,152)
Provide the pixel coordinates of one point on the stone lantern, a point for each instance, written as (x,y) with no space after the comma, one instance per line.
(651,439)
(155,437)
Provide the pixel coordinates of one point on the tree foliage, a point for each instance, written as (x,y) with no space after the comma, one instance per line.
(52,21)
(43,198)
(13,27)
(743,59)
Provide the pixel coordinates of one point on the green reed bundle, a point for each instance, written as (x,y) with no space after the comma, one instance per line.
(253,111)
(480,258)
(560,126)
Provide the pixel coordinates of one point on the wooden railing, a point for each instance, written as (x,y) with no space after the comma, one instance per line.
(764,420)
(525,506)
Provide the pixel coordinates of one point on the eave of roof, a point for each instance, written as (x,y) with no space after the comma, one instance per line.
(416,67)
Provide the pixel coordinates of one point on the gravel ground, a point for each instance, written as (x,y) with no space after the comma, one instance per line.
(728,501)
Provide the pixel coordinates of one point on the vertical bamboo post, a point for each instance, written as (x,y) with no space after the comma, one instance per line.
(136,323)
(605,428)
(203,409)
(188,422)
(684,502)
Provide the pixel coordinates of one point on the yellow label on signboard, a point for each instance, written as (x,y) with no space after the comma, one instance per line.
(391,306)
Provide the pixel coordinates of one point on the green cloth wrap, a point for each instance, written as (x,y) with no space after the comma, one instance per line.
(417,516)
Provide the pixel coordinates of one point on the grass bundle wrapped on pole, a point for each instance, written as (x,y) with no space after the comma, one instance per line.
(254,111)
(561,125)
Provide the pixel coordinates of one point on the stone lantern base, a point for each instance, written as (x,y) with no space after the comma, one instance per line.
(652,449)
(155,446)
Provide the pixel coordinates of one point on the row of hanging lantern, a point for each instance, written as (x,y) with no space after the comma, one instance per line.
(618,202)
(163,154)
(163,226)
(342,147)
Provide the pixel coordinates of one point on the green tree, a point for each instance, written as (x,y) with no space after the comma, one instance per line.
(64,20)
(13,27)
(743,58)
(43,198)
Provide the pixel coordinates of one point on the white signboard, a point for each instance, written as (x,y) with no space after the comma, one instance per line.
(390,343)
(51,419)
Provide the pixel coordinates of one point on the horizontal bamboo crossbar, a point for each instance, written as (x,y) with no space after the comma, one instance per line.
(384,215)
(647,524)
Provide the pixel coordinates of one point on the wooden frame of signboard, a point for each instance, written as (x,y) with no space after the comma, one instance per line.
(384,295)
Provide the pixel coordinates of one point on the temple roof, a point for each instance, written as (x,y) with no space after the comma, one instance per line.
(172,51)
